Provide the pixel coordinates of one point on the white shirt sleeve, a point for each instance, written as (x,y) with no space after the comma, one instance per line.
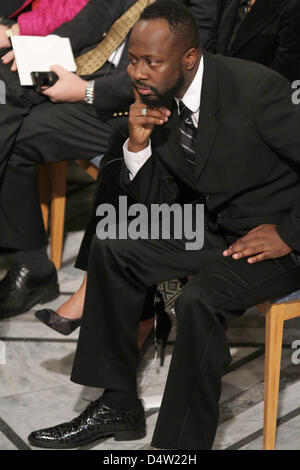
(135,161)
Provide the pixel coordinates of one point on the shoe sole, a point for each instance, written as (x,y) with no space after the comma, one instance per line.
(119,436)
(43,298)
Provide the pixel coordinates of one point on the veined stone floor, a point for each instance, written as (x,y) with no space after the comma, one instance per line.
(35,390)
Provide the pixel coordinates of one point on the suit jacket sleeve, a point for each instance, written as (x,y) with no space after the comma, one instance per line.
(91,23)
(113,94)
(278,122)
(287,58)
(153,184)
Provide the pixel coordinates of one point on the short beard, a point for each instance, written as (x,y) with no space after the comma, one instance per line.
(163,100)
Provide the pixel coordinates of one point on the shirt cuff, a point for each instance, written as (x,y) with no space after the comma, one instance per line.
(135,161)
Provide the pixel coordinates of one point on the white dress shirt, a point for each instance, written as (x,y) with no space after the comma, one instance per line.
(115,56)
(191,99)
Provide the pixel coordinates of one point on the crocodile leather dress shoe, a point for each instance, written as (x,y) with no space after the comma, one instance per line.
(20,290)
(65,326)
(96,422)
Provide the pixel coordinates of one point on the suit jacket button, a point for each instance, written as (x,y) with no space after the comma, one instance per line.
(207,197)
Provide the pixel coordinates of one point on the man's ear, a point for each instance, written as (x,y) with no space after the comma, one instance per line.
(190,58)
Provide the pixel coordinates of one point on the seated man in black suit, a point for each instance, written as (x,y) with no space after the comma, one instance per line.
(203,129)
(265,31)
(73,126)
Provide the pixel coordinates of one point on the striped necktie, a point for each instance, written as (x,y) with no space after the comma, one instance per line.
(93,60)
(188,133)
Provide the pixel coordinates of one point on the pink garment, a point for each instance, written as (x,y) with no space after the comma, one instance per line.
(49,15)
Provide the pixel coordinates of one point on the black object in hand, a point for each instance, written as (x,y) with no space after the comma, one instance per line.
(43,79)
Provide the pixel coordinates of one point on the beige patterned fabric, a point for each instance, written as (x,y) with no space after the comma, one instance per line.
(91,61)
(170,290)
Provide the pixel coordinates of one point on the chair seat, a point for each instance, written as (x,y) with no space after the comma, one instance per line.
(287,298)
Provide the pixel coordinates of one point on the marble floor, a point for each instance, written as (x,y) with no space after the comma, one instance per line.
(35,364)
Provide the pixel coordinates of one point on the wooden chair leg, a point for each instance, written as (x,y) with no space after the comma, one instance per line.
(58,205)
(274,332)
(88,168)
(44,191)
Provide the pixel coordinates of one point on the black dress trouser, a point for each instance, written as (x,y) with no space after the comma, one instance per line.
(220,288)
(33,131)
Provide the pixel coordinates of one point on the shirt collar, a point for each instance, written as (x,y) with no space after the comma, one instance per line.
(192,96)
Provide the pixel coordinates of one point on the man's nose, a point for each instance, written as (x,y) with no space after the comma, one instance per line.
(140,72)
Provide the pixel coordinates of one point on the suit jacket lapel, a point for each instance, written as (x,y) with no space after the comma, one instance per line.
(167,146)
(209,106)
(260,15)
(166,138)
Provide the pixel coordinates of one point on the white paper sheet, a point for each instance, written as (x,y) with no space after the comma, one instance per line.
(38,53)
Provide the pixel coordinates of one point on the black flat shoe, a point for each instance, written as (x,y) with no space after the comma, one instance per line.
(96,422)
(20,290)
(62,325)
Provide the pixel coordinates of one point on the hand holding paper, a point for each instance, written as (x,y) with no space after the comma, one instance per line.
(69,88)
(38,54)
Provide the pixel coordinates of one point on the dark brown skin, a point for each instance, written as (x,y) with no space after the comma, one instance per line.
(156,61)
(262,241)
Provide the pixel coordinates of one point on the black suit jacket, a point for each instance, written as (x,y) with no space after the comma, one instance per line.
(269,34)
(247,156)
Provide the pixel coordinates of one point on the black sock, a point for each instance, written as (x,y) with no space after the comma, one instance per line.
(36,260)
(121,400)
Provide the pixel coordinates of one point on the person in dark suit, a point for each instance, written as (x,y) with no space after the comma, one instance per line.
(204,12)
(203,129)
(35,130)
(265,31)
(9,7)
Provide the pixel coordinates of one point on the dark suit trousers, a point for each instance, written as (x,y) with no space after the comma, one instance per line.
(220,288)
(34,130)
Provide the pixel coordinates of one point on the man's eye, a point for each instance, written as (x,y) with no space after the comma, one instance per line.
(153,62)
(133,61)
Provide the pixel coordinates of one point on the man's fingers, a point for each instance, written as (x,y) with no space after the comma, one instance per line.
(249,251)
(260,257)
(235,247)
(14,67)
(151,113)
(59,70)
(241,249)
(8,57)
(137,96)
(149,120)
(160,113)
